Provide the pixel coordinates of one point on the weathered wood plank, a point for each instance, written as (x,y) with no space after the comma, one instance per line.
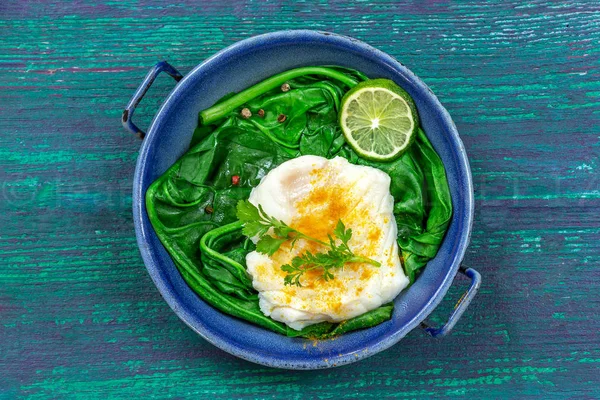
(80,316)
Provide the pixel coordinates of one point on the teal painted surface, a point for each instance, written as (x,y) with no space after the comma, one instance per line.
(80,317)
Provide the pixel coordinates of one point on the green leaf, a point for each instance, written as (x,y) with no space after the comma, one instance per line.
(327,275)
(339,230)
(288,280)
(297,262)
(331,241)
(342,233)
(292,279)
(269,245)
(283,230)
(247,212)
(287,268)
(347,235)
(255,228)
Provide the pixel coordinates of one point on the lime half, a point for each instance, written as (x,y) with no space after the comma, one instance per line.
(379,119)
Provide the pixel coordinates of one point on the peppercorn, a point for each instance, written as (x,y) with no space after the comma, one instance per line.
(261,113)
(246,113)
(235,180)
(281,118)
(208,209)
(285,87)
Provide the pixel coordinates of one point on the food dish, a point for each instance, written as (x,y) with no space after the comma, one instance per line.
(271,143)
(170,134)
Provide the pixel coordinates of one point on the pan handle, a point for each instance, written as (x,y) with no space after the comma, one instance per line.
(162,66)
(460,306)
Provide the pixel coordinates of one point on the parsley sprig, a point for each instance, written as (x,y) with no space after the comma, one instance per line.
(258,223)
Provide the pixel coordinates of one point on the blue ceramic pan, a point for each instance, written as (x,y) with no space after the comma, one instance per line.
(238,67)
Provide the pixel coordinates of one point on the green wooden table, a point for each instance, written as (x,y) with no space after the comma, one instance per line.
(80,318)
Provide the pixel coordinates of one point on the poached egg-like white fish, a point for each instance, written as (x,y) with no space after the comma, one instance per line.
(311,194)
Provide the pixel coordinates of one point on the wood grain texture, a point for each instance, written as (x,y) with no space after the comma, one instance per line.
(80,318)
